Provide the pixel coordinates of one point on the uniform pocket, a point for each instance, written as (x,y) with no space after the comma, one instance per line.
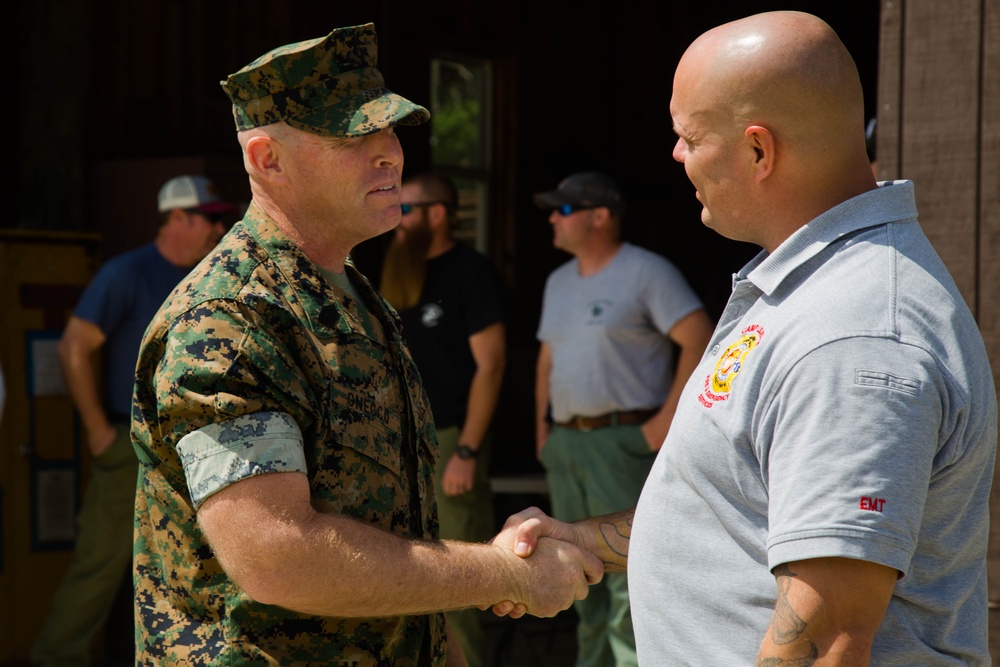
(361,424)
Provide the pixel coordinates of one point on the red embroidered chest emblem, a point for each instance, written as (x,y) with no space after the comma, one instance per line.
(720,381)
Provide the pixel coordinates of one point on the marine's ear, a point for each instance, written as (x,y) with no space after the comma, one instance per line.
(263,157)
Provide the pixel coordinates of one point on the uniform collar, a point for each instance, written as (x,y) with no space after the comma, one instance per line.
(328,309)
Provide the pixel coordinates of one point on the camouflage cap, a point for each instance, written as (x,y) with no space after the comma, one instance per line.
(327,86)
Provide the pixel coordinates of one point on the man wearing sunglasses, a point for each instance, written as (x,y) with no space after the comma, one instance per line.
(110,318)
(448,297)
(612,319)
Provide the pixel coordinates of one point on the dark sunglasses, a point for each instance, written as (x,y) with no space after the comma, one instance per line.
(211,217)
(408,208)
(570,209)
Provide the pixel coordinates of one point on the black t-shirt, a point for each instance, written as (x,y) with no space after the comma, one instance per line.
(461,297)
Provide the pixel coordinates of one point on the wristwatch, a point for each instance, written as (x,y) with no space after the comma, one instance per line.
(465,452)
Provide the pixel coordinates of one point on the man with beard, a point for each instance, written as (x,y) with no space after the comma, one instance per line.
(448,296)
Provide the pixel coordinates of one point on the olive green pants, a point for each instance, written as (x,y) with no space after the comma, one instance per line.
(468,517)
(101,557)
(591,473)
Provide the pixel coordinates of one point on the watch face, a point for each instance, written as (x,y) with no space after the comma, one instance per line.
(465,452)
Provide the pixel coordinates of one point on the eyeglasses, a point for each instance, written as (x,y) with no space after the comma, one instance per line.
(408,208)
(211,217)
(570,209)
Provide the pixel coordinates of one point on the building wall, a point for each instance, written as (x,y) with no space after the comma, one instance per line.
(939,125)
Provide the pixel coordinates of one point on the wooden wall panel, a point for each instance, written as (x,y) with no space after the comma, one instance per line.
(989,261)
(940,127)
(890,76)
(989,196)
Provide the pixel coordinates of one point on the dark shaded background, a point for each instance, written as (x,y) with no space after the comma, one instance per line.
(115,96)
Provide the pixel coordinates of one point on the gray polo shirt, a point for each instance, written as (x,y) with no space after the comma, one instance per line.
(845,408)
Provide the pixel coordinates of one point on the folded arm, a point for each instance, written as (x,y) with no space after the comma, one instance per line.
(78,350)
(691,335)
(543,369)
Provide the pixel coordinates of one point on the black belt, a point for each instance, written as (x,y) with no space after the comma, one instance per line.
(624,418)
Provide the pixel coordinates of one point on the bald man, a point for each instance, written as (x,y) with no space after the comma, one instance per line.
(822,495)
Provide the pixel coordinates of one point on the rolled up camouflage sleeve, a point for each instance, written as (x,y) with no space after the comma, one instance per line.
(225,385)
(221,454)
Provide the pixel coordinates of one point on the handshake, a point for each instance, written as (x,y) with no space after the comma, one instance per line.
(553,563)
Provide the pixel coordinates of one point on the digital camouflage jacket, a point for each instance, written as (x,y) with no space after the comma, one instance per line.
(255,338)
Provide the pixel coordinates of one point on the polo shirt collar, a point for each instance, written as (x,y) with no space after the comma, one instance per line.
(891,201)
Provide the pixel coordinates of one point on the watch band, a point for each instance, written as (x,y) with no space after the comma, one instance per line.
(465,452)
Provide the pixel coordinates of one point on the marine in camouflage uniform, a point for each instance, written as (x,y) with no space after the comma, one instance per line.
(259,364)
(258,342)
(285,512)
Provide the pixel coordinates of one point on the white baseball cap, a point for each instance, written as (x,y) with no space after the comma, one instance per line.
(191,192)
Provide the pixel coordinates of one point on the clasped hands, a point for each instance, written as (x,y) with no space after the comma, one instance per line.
(555,564)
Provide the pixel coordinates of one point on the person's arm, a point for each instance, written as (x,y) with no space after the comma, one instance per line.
(543,370)
(827,612)
(691,335)
(489,350)
(280,550)
(77,355)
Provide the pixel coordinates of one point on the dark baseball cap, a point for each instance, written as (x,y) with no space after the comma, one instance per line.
(591,188)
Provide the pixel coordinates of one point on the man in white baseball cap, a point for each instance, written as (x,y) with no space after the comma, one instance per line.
(111,316)
(196,193)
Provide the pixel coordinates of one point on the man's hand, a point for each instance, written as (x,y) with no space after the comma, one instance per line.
(607,537)
(530,524)
(458,476)
(556,574)
(523,531)
(655,431)
(99,440)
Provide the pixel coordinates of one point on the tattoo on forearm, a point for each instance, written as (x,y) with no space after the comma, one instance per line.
(787,626)
(616,533)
